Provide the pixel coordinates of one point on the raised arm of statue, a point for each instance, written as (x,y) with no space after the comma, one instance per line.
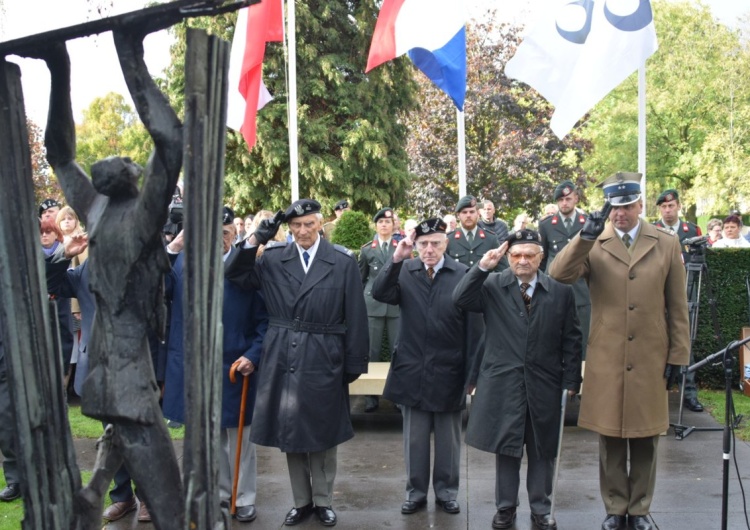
(159,119)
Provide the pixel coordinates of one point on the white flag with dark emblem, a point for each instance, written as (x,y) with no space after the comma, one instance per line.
(581,51)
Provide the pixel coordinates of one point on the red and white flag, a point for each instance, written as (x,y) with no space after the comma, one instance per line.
(580,51)
(256,25)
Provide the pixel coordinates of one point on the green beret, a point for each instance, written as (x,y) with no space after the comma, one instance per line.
(668,195)
(467,201)
(386,213)
(564,189)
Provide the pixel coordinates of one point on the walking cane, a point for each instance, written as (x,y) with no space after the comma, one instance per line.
(240,428)
(557,460)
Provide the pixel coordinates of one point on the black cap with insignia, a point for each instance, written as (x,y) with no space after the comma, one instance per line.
(47,204)
(343,204)
(434,225)
(467,201)
(227,216)
(668,195)
(384,213)
(301,208)
(565,188)
(622,188)
(520,237)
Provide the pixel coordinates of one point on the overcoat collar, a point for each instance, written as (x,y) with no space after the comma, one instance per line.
(647,239)
(415,266)
(321,266)
(509,281)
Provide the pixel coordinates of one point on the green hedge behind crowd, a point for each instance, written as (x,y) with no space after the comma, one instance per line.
(728,270)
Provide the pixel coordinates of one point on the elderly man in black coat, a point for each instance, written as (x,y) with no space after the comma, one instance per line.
(316,344)
(532,352)
(429,369)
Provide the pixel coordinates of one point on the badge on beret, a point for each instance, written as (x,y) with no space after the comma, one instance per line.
(388,213)
(566,191)
(299,209)
(668,197)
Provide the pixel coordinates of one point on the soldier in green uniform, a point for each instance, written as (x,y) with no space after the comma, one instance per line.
(556,231)
(468,243)
(380,316)
(669,209)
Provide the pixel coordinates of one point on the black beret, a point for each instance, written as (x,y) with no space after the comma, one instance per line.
(341,205)
(565,188)
(467,201)
(434,225)
(301,208)
(524,236)
(668,195)
(386,213)
(47,204)
(227,216)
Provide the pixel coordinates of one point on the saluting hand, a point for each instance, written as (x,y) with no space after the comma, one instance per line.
(75,244)
(594,225)
(492,257)
(403,250)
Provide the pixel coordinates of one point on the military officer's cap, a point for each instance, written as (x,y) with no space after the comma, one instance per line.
(47,204)
(227,216)
(343,204)
(520,237)
(565,188)
(301,207)
(466,201)
(622,188)
(433,225)
(668,195)
(385,213)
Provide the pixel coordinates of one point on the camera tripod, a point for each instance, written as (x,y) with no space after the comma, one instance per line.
(696,269)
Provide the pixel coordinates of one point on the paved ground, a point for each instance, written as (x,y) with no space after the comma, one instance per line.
(370,482)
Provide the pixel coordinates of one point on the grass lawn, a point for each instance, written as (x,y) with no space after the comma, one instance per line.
(714,402)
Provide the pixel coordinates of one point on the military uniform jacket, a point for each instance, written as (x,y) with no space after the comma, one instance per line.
(686,230)
(437,340)
(529,358)
(554,238)
(371,262)
(639,324)
(302,403)
(460,250)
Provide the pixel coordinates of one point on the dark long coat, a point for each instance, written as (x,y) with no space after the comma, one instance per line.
(244,322)
(371,263)
(529,358)
(303,398)
(437,341)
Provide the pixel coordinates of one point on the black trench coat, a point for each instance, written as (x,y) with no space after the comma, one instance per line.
(528,360)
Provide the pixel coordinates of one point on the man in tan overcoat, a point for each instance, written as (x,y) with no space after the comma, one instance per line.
(639,334)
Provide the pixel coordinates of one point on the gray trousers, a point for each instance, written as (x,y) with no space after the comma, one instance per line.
(539,475)
(312,476)
(418,425)
(248,467)
(627,491)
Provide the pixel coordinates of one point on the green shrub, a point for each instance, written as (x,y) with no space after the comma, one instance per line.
(352,231)
(728,270)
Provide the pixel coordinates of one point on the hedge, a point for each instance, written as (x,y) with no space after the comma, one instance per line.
(726,276)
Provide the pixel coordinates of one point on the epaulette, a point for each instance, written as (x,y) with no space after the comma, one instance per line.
(664,230)
(275,244)
(344,250)
(368,244)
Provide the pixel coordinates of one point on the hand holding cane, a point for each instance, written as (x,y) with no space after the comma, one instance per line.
(240,428)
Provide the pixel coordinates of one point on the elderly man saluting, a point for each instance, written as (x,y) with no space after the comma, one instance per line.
(316,344)
(532,352)
(639,336)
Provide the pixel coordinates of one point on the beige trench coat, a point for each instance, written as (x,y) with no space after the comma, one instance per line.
(639,324)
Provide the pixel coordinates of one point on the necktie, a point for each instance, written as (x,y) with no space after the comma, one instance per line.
(384,247)
(526,297)
(568,224)
(306,257)
(626,240)
(430,273)
(470,237)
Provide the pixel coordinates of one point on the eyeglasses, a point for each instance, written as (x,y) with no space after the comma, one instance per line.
(528,255)
(424,244)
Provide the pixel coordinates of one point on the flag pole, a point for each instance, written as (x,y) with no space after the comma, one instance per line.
(461,153)
(642,133)
(292,98)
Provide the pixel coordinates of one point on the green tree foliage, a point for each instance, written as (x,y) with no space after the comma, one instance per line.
(698,105)
(45,184)
(111,127)
(512,157)
(352,230)
(351,142)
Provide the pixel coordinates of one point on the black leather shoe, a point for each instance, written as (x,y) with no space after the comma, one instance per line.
(371,403)
(448,506)
(639,522)
(326,515)
(614,522)
(10,492)
(693,404)
(245,514)
(543,521)
(504,518)
(297,515)
(412,506)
